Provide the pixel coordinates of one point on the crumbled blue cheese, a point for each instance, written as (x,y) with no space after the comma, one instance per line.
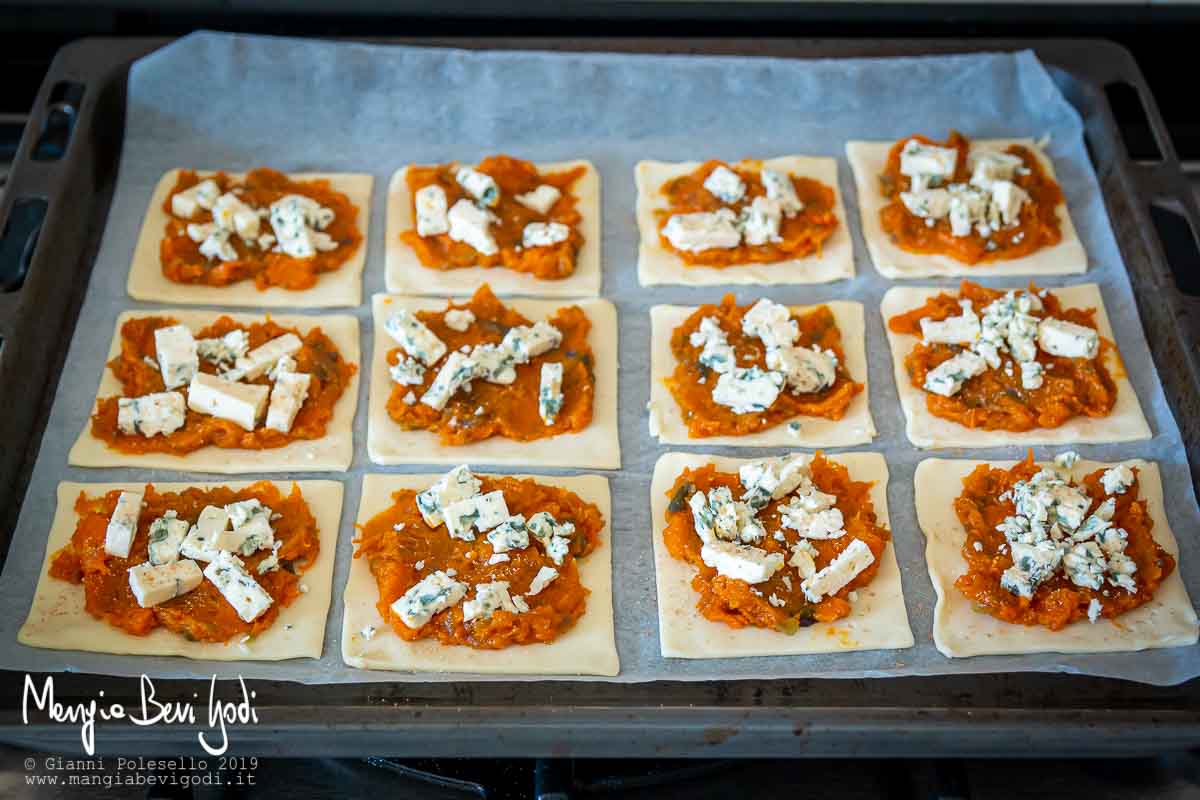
(1031,375)
(1084,564)
(430,203)
(805,369)
(287,397)
(1117,480)
(228,573)
(1007,199)
(479,185)
(166,537)
(748,391)
(1093,611)
(1066,339)
(948,377)
(459,319)
(801,516)
(989,166)
(433,594)
(804,559)
(526,342)
(780,188)
(217,247)
(153,584)
(963,329)
(198,544)
(725,184)
(772,478)
(759,222)
(494,363)
(550,395)
(299,223)
(1066,460)
(457,484)
(123,524)
(224,350)
(416,339)
(151,414)
(772,323)
(927,165)
(177,355)
(968,211)
(241,403)
(931,204)
(231,214)
(407,372)
(261,359)
(716,353)
(741,562)
(545,576)
(718,516)
(489,598)
(844,568)
(1032,565)
(703,230)
(509,535)
(541,199)
(555,537)
(482,512)
(251,528)
(201,196)
(271,562)
(456,373)
(544,234)
(469,224)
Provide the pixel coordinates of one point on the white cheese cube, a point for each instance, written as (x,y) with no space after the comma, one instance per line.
(407,372)
(927,164)
(803,558)
(772,323)
(741,562)
(217,247)
(725,184)
(151,414)
(748,391)
(430,202)
(287,397)
(771,478)
(927,204)
(703,230)
(198,544)
(1117,480)
(198,232)
(494,363)
(416,339)
(489,598)
(1066,339)
(256,363)
(1031,375)
(231,214)
(1084,565)
(968,211)
(251,531)
(550,396)
(479,185)
(457,484)
(544,234)
(545,576)
(948,377)
(780,188)
(1032,564)
(166,537)
(224,350)
(717,354)
(545,528)
(526,343)
(759,221)
(455,374)
(805,369)
(469,224)
(962,329)
(123,524)
(433,594)
(509,535)
(239,403)
(157,583)
(1007,199)
(483,512)
(177,356)
(297,221)
(203,195)
(458,319)
(990,166)
(844,568)
(827,523)
(541,199)
(227,572)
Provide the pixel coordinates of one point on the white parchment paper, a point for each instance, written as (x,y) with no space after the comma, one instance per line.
(215,101)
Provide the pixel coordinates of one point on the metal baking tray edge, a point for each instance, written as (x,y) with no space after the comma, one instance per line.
(985,715)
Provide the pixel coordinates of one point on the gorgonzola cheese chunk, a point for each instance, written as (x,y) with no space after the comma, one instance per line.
(927,204)
(716,353)
(948,377)
(703,230)
(749,390)
(201,196)
(1117,480)
(544,234)
(416,339)
(479,185)
(166,537)
(198,544)
(287,397)
(550,395)
(1032,564)
(258,361)
(820,524)
(760,221)
(224,350)
(299,222)
(123,524)
(433,594)
(509,535)
(177,356)
(771,479)
(1007,199)
(151,414)
(741,562)
(227,572)
(231,214)
(483,512)
(963,329)
(457,484)
(407,372)
(455,374)
(545,576)
(494,363)
(526,343)
(780,188)
(805,369)
(489,598)
(926,164)
(251,532)
(989,166)
(469,225)
(725,184)
(803,558)
(459,319)
(772,323)
(153,584)
(844,568)
(541,199)
(217,247)
(430,202)
(1066,339)
(240,403)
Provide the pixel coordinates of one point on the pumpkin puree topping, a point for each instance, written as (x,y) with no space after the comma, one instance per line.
(800,235)
(996,399)
(737,603)
(1057,601)
(692,382)
(139,375)
(202,614)
(401,550)
(183,262)
(492,409)
(513,176)
(1037,227)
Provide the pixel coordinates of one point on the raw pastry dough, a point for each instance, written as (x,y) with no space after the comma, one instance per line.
(657,265)
(1125,423)
(856,427)
(332,452)
(959,630)
(407,275)
(58,621)
(867,160)
(342,287)
(879,620)
(588,648)
(595,447)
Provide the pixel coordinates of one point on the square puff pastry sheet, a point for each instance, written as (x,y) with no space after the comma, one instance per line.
(595,447)
(867,160)
(588,648)
(58,621)
(959,630)
(856,427)
(657,265)
(878,620)
(342,287)
(407,275)
(1126,422)
(333,451)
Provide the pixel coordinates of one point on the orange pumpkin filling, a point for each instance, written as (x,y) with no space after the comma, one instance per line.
(513,176)
(202,614)
(996,399)
(182,261)
(737,603)
(138,373)
(493,409)
(1056,602)
(401,549)
(692,383)
(800,235)
(1037,227)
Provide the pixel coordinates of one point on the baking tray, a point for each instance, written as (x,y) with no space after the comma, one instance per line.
(996,715)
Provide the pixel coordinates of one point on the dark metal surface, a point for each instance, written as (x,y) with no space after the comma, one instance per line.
(994,715)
